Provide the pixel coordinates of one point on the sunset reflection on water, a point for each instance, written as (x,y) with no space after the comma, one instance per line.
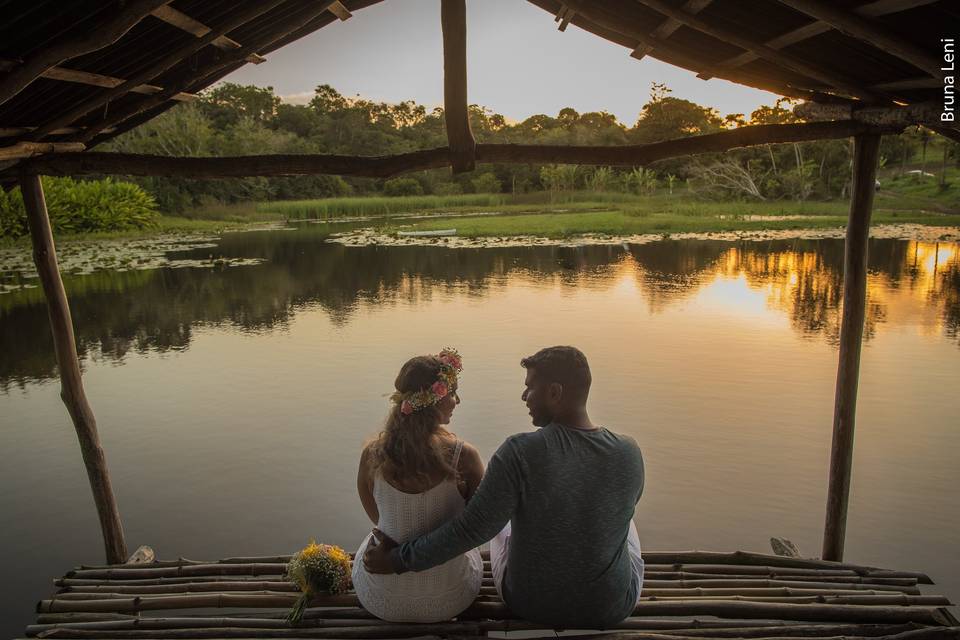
(233,402)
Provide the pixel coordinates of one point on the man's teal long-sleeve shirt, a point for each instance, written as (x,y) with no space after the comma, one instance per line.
(570,495)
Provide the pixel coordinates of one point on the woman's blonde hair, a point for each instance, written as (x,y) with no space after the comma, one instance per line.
(411,445)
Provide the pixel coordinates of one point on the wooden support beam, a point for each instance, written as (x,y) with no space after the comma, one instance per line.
(456,113)
(230,60)
(94,79)
(23,150)
(387,166)
(172,58)
(865,152)
(668,26)
(871,9)
(64,345)
(787,61)
(92,39)
(337,9)
(868,31)
(185,23)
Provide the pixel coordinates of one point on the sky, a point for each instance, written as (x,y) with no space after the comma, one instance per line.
(519,64)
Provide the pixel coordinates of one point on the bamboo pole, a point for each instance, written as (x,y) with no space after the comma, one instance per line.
(65,348)
(936,633)
(374,631)
(491,609)
(865,151)
(453,19)
(688,627)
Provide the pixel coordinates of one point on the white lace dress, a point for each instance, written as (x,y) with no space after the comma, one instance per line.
(436,594)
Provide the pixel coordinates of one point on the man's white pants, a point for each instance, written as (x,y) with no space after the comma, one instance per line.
(500,548)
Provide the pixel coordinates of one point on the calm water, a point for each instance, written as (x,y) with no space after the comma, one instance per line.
(232,403)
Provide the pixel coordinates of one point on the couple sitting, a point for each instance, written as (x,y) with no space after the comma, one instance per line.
(556,504)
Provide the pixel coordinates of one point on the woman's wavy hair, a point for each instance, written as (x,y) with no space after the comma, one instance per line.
(410,445)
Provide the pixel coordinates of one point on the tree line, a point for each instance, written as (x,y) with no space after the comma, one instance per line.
(233,119)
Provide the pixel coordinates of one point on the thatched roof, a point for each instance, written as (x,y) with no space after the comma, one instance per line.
(87,70)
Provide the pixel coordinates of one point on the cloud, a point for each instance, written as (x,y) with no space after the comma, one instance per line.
(303,97)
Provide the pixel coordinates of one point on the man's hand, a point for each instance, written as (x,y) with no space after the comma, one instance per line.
(376,559)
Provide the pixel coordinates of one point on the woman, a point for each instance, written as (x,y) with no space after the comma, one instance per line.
(413,478)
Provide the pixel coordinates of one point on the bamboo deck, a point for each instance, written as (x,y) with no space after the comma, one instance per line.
(685,595)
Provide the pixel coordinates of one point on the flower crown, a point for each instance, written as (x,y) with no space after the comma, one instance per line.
(451,365)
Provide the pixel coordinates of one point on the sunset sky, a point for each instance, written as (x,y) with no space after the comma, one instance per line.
(519,64)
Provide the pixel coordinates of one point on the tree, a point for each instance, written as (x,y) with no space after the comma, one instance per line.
(226,103)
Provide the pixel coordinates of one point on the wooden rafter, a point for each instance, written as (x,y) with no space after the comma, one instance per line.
(787,61)
(164,63)
(92,40)
(610,25)
(95,80)
(30,149)
(338,9)
(668,26)
(869,31)
(230,59)
(387,166)
(453,18)
(563,17)
(196,28)
(14,132)
(872,9)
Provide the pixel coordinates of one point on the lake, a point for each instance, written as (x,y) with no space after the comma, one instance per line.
(232,401)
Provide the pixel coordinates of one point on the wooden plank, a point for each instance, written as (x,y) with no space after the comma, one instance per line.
(787,61)
(65,48)
(161,64)
(453,18)
(338,9)
(230,60)
(607,24)
(65,348)
(184,22)
(12,132)
(30,149)
(871,9)
(387,166)
(871,32)
(95,79)
(668,26)
(865,153)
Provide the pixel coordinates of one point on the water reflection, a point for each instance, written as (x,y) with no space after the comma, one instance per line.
(909,283)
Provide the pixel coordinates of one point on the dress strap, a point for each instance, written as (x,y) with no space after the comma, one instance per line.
(456,453)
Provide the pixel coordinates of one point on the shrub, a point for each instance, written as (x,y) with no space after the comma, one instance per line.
(83,206)
(402,187)
(486,183)
(448,189)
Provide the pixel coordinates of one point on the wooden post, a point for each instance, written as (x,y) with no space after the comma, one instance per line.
(71,385)
(453,18)
(865,151)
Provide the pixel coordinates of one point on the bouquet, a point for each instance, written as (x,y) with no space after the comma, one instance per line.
(318,568)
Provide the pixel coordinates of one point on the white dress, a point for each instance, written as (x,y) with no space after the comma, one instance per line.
(436,594)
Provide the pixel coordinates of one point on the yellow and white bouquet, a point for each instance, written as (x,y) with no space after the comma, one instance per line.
(316,569)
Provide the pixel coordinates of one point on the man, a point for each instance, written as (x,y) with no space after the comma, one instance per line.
(558,505)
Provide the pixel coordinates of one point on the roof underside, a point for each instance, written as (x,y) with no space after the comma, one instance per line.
(882,52)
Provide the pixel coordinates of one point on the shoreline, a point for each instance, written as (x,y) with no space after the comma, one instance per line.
(368,237)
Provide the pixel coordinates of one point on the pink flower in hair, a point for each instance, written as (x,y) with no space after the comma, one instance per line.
(439,389)
(406,408)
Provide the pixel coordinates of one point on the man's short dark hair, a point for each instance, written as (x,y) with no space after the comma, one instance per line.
(565,365)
